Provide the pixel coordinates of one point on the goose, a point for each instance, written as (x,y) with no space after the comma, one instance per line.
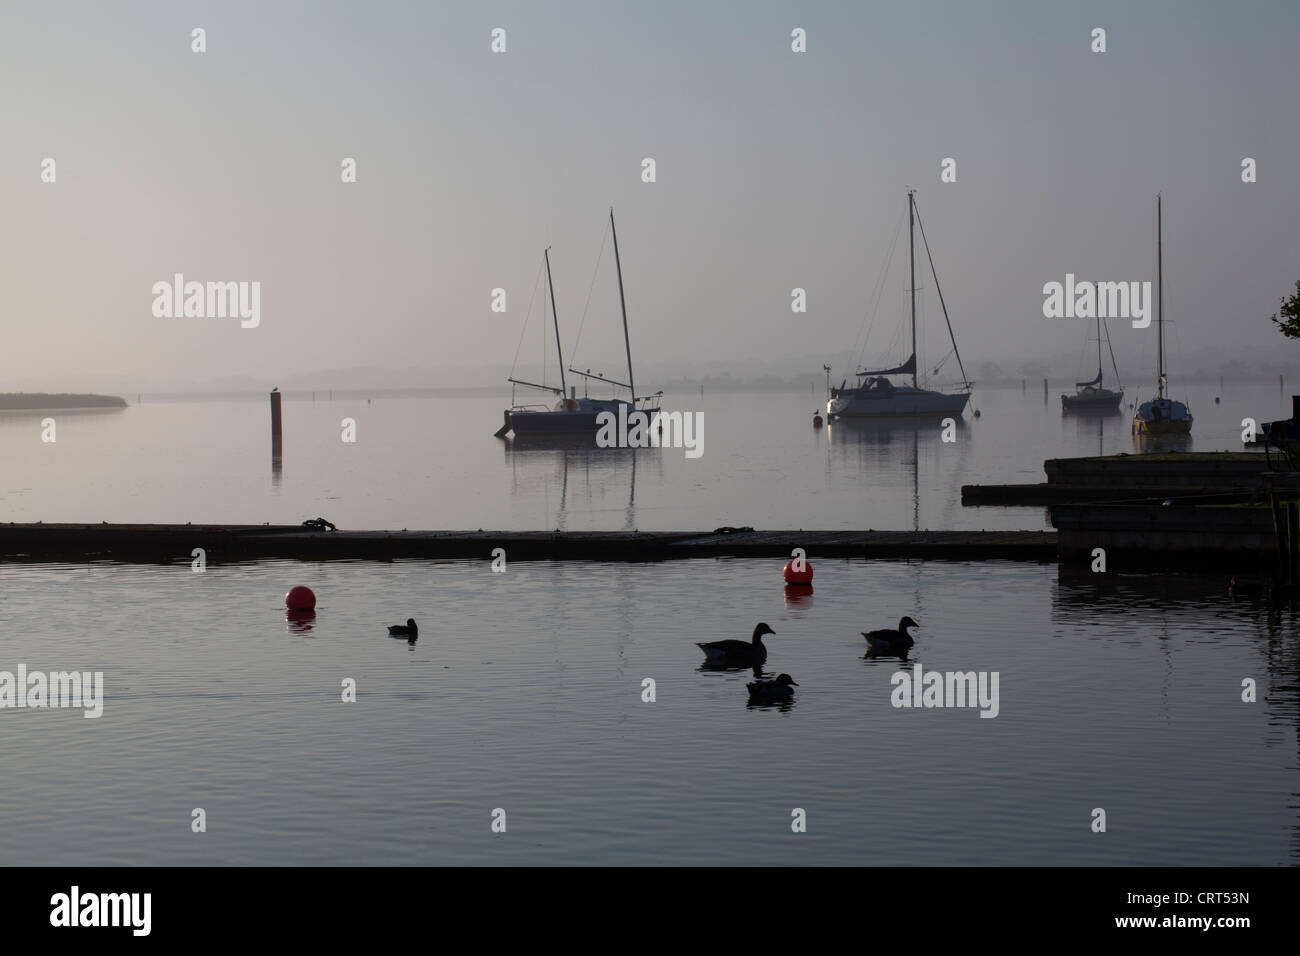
(768,690)
(738,653)
(408,629)
(891,642)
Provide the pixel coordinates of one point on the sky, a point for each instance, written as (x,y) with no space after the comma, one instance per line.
(774,170)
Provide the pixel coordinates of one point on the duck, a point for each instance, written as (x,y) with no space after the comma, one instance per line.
(770,690)
(891,642)
(408,630)
(733,653)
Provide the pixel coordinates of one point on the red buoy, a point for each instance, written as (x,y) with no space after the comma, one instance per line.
(300,598)
(797,571)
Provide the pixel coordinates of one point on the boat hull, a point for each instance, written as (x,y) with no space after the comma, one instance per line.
(1142,427)
(1162,416)
(553,423)
(582,421)
(899,403)
(1102,402)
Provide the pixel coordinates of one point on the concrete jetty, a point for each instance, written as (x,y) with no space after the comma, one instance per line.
(1121,477)
(1150,535)
(160,543)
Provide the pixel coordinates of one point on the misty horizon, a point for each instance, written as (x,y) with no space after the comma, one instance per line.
(225,167)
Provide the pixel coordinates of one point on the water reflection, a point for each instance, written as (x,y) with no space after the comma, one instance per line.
(781,706)
(22,417)
(904,655)
(1090,425)
(1182,609)
(872,443)
(723,667)
(892,661)
(798,596)
(583,473)
(299,620)
(1148,443)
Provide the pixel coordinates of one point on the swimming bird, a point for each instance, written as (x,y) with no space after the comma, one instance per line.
(891,642)
(408,630)
(738,653)
(769,690)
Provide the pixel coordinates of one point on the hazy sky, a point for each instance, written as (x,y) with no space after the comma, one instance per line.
(774,170)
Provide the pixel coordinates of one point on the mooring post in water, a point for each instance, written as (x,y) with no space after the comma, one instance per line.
(277,441)
(1294,543)
(1279,523)
(1044,390)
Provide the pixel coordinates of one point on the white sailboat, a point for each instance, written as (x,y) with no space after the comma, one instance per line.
(1093,396)
(571,415)
(875,396)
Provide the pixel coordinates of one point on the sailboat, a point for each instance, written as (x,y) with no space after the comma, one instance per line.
(571,415)
(875,395)
(1093,396)
(1161,415)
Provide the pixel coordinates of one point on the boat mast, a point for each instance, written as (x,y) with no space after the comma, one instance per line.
(1113,364)
(564,388)
(622,302)
(1160,307)
(1099,346)
(911,249)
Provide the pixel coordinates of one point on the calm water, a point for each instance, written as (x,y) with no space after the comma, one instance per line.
(524,690)
(524,693)
(432,463)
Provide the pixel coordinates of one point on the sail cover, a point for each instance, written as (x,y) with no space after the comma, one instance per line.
(907,368)
(1095,381)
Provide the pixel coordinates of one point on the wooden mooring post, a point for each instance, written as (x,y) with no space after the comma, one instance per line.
(1293,542)
(277,440)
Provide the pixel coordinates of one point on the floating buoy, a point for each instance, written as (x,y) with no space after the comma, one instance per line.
(977,413)
(817,419)
(1216,399)
(300,598)
(792,576)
